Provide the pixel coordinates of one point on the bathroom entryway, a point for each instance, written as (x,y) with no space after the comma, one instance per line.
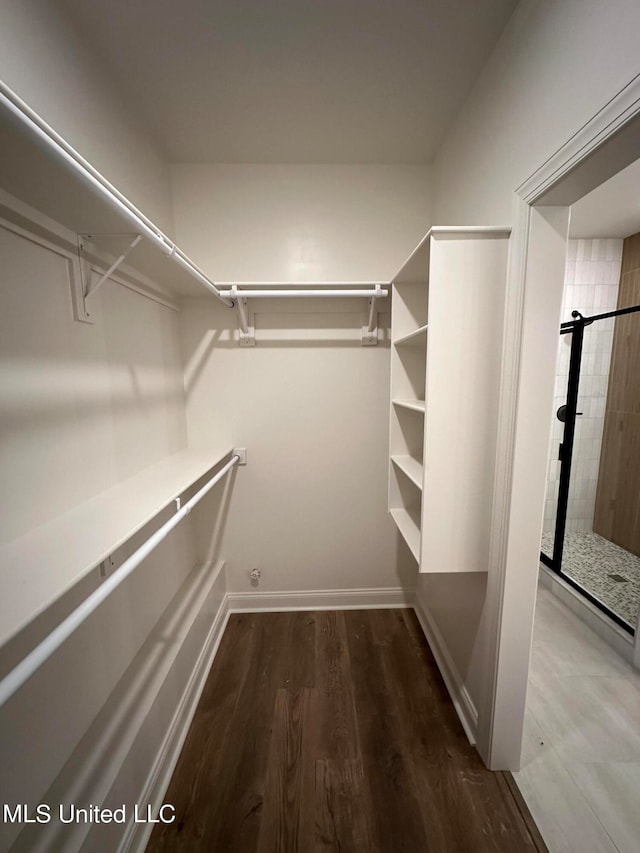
(580,771)
(591,534)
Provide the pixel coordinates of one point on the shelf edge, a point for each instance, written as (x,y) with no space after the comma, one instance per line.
(399,516)
(399,461)
(412,405)
(411,336)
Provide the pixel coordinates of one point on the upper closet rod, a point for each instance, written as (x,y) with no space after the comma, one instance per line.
(109,193)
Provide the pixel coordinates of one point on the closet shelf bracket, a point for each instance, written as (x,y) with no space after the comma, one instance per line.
(370,330)
(87,287)
(246,328)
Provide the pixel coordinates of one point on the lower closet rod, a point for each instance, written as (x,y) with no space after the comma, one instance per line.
(14,680)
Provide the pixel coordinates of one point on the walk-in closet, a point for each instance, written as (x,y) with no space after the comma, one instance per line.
(280,293)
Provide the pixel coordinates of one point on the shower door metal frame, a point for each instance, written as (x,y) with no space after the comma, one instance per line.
(576,328)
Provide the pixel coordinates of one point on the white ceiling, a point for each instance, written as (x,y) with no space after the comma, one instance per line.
(296,81)
(612,209)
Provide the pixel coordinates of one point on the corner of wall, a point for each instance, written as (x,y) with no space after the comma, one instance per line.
(455,684)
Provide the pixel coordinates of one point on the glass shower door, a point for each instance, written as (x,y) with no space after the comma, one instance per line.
(603,572)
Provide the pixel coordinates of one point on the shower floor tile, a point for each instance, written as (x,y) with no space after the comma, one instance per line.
(603,569)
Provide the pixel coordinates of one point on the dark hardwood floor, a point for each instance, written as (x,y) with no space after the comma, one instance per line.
(333,731)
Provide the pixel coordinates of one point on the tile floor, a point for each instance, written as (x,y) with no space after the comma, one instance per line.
(591,560)
(580,771)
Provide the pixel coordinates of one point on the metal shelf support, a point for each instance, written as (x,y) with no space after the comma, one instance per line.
(246,332)
(370,331)
(92,287)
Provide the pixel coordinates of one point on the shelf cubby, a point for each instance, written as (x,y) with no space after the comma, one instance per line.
(406,433)
(410,467)
(408,368)
(405,501)
(408,523)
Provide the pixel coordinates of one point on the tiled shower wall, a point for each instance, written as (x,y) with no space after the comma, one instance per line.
(592,275)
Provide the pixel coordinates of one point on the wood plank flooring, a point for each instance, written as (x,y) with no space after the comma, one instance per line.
(333,731)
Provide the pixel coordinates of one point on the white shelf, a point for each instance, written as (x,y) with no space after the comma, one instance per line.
(34,176)
(415,269)
(414,405)
(408,527)
(415,338)
(39,567)
(411,468)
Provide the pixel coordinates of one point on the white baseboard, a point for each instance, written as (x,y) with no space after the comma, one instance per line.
(137,835)
(458,692)
(325,599)
(127,737)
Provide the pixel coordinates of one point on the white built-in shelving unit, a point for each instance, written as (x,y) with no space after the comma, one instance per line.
(446,333)
(409,332)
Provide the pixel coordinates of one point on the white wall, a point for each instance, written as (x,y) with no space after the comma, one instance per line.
(309,402)
(555,66)
(83,407)
(311,406)
(300,223)
(51,68)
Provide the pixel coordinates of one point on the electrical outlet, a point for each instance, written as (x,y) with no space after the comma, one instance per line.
(242,453)
(254,576)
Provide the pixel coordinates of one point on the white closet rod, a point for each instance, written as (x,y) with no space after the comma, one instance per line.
(270,294)
(61,148)
(14,680)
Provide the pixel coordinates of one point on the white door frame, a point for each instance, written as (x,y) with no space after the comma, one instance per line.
(609,141)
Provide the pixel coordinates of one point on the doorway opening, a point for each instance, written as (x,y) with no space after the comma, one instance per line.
(582,715)
(542,207)
(591,537)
